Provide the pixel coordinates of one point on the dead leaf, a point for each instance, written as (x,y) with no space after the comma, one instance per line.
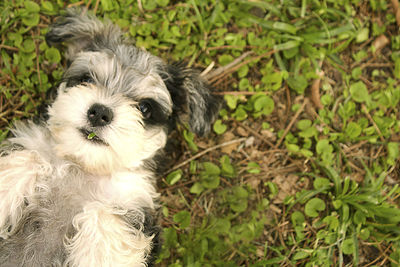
(315,95)
(286,185)
(242,132)
(228,136)
(380,42)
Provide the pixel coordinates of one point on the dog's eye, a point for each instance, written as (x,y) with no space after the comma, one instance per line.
(86,79)
(145,108)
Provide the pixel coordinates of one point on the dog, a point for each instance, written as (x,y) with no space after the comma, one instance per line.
(78,188)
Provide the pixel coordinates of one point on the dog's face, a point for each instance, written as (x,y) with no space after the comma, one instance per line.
(115,102)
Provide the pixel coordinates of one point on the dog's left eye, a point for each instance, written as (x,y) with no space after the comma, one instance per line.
(86,79)
(145,108)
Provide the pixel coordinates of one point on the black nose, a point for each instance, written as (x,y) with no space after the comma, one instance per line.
(99,115)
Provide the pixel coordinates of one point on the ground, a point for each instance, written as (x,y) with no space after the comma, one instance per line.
(302,166)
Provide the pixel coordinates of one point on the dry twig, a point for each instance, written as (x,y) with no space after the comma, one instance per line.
(396,8)
(220,70)
(364,108)
(291,123)
(203,153)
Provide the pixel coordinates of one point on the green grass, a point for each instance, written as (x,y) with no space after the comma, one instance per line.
(308,170)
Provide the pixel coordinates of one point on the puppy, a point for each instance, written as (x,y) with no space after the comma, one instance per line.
(78,189)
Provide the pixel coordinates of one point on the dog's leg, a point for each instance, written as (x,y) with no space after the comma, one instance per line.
(103,239)
(19,171)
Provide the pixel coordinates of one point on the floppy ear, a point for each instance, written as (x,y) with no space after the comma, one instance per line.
(193,102)
(81,31)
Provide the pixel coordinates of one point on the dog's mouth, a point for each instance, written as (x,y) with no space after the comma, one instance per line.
(92,137)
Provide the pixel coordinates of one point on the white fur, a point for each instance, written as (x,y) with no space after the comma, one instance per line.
(103,239)
(19,172)
(129,143)
(104,181)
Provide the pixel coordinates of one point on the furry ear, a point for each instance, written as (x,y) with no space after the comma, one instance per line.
(81,31)
(193,102)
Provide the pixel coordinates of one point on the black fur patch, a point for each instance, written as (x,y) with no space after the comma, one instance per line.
(190,94)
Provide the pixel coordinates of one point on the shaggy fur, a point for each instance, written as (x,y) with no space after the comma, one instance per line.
(78,188)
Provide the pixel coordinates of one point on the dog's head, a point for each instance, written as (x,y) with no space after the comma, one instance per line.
(115,101)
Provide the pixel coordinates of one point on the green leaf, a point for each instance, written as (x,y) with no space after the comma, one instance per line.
(150,5)
(28,46)
(304,124)
(274,25)
(47,6)
(364,234)
(253,167)
(193,167)
(162,3)
(244,84)
(284,27)
(108,4)
(197,188)
(170,237)
(225,59)
(297,218)
(24,98)
(238,199)
(320,183)
(219,127)
(287,45)
(53,55)
(210,182)
(393,153)
(323,146)
(356,73)
(313,206)
(210,175)
(332,221)
(273,188)
(292,147)
(210,169)
(300,255)
(240,113)
(231,101)
(182,218)
(242,71)
(16,37)
(222,225)
(273,80)
(353,130)
(227,168)
(91,136)
(348,246)
(239,192)
(31,19)
(298,83)
(239,205)
(174,177)
(359,217)
(31,7)
(189,137)
(396,71)
(363,35)
(265,104)
(359,92)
